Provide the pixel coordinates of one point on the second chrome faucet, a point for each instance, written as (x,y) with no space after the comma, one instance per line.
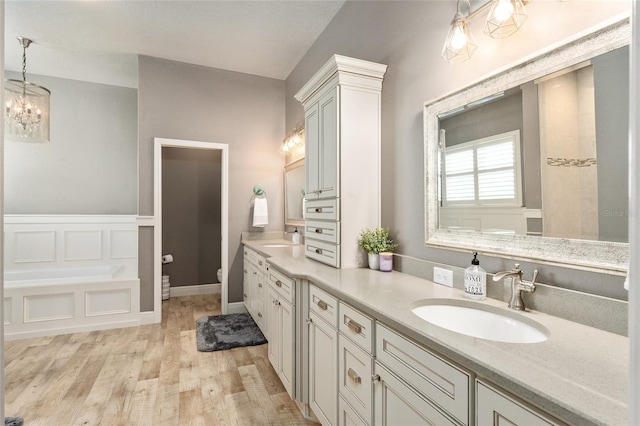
(518,285)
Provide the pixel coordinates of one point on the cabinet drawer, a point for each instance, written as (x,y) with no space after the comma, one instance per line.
(494,407)
(323,231)
(322,209)
(347,416)
(355,368)
(282,284)
(441,382)
(356,326)
(323,304)
(255,258)
(322,252)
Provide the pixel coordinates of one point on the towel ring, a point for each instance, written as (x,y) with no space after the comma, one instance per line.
(258,190)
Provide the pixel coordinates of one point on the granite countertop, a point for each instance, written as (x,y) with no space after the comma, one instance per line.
(580,374)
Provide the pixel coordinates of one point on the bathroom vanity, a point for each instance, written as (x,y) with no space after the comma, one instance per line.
(361,356)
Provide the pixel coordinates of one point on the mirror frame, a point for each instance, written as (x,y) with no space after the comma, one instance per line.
(599,256)
(287,168)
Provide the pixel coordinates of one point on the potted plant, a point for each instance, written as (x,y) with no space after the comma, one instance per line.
(376,241)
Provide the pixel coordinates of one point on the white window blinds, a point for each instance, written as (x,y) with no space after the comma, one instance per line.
(483,172)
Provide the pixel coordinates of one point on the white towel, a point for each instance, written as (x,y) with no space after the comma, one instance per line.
(260,213)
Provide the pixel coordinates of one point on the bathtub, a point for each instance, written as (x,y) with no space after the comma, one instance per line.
(69,273)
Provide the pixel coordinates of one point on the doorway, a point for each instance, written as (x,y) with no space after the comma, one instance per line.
(160,145)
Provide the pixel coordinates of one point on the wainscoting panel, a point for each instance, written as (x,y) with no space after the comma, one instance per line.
(48,307)
(82,245)
(32,246)
(107,302)
(123,244)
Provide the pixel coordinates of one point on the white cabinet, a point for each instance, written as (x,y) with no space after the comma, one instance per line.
(323,367)
(342,131)
(280,316)
(323,355)
(398,404)
(355,363)
(254,286)
(440,384)
(494,407)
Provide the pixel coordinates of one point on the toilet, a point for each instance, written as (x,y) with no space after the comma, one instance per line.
(220,275)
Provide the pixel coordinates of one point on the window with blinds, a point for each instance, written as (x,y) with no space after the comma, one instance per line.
(484,172)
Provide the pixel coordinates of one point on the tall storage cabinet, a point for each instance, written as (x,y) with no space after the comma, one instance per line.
(342,131)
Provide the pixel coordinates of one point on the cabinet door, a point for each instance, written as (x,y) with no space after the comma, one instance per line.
(397,404)
(328,148)
(257,300)
(287,345)
(496,408)
(312,153)
(249,286)
(355,368)
(246,282)
(273,328)
(323,366)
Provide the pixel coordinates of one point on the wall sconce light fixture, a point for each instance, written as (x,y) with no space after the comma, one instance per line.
(26,113)
(505,18)
(293,141)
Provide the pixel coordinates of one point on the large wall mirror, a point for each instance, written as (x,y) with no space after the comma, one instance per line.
(294,181)
(532,163)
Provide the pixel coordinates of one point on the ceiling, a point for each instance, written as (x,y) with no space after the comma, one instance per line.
(99,41)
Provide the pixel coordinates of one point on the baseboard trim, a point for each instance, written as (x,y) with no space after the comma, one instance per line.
(194,290)
(236,308)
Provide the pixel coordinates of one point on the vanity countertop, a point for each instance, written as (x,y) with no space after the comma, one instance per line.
(580,374)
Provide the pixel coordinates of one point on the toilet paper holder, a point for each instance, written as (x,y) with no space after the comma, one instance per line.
(167,258)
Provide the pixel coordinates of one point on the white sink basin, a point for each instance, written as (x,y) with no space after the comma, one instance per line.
(276,245)
(482,321)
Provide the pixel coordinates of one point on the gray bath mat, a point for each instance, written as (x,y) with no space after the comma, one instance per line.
(219,332)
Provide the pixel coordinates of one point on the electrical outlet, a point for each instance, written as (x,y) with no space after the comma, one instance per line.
(443,276)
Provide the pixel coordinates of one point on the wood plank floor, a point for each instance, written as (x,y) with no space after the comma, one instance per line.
(147,375)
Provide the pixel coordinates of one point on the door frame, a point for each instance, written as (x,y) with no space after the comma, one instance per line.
(160,143)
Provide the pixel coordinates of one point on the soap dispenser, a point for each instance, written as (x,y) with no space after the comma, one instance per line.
(295,237)
(475,280)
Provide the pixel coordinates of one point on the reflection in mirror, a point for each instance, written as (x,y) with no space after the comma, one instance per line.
(539,150)
(294,182)
(542,158)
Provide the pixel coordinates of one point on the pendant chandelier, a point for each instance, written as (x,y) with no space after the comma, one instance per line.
(26,114)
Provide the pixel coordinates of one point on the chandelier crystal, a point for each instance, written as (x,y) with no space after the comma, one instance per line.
(26,112)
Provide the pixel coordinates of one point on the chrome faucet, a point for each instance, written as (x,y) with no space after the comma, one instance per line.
(518,285)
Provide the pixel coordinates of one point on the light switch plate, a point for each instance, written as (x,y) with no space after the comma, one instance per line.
(443,276)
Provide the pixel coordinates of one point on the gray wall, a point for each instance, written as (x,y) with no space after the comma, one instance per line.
(408,37)
(190,102)
(611,82)
(191,203)
(89,167)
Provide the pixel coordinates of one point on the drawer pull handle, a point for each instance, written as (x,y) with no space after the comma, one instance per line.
(354,326)
(318,231)
(245,271)
(319,251)
(255,273)
(260,314)
(259,285)
(375,378)
(260,262)
(318,209)
(322,305)
(245,295)
(354,376)
(279,283)
(245,252)
(309,321)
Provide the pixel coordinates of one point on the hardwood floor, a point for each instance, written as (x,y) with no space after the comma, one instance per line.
(147,375)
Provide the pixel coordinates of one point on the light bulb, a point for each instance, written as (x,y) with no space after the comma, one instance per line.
(459,38)
(503,10)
